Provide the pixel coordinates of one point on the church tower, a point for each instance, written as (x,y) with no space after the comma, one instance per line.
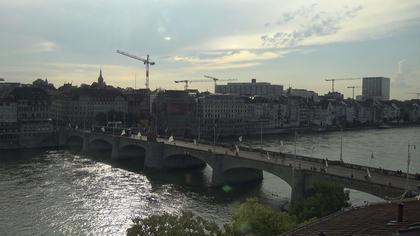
(101,82)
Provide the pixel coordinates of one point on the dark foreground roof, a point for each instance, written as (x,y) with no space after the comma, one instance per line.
(378,219)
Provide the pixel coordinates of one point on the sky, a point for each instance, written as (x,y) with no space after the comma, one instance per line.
(297,43)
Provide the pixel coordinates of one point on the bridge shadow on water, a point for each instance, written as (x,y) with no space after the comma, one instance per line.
(190,181)
(196,180)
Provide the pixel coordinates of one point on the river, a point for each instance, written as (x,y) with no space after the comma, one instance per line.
(62,192)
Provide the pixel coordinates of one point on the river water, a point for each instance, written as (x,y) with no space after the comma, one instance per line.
(64,192)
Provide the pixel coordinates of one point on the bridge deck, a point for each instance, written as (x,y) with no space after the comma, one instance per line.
(335,168)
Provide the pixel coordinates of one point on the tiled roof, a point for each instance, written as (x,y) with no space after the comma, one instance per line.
(378,219)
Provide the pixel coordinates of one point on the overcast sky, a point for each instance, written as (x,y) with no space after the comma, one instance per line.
(296,43)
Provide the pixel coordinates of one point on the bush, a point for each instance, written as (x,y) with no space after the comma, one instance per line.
(250,218)
(174,225)
(253,218)
(324,199)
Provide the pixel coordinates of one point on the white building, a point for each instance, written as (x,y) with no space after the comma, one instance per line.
(251,89)
(377,88)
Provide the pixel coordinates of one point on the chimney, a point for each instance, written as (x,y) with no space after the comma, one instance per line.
(400,215)
(253,81)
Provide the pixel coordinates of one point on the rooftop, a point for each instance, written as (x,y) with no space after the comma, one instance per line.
(378,219)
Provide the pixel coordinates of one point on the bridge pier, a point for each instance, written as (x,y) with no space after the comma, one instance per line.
(85,145)
(115,154)
(299,187)
(154,156)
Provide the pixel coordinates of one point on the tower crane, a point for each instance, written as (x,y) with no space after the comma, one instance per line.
(353,87)
(146,62)
(333,80)
(418,95)
(183,81)
(217,79)
(187,82)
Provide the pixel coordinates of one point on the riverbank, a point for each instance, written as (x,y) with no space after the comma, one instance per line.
(314,130)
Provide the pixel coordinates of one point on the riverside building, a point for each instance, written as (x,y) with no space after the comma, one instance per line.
(251,89)
(376,88)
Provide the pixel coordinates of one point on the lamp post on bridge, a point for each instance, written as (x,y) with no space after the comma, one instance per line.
(409,147)
(341,145)
(294,162)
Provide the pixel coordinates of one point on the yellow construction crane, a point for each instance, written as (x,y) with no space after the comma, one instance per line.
(146,62)
(333,80)
(353,87)
(217,79)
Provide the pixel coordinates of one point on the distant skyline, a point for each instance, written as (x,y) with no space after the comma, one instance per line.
(298,43)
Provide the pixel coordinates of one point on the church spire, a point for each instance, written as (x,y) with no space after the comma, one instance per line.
(101,82)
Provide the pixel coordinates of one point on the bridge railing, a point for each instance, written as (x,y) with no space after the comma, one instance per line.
(330,162)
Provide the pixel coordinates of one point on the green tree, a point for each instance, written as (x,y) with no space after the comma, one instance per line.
(174,225)
(253,218)
(324,199)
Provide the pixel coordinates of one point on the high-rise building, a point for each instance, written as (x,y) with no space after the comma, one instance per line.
(376,88)
(251,89)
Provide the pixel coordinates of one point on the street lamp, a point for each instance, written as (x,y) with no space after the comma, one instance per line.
(409,147)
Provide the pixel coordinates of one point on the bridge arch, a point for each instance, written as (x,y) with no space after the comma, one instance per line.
(100,144)
(184,160)
(234,167)
(376,190)
(132,151)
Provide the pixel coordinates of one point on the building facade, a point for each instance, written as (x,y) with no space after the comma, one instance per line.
(307,94)
(174,113)
(376,88)
(251,89)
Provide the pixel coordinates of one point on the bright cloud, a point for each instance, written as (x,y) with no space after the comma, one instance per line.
(45,46)
(229,59)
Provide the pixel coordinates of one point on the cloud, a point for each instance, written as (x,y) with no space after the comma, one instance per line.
(407,75)
(45,46)
(400,66)
(230,59)
(318,23)
(291,15)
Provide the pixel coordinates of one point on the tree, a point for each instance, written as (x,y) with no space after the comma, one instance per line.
(253,218)
(39,83)
(174,225)
(324,199)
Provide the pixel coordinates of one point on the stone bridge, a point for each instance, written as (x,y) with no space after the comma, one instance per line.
(231,167)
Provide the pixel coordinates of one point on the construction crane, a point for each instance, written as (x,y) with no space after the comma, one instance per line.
(418,95)
(183,81)
(333,80)
(187,82)
(146,62)
(353,87)
(217,79)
